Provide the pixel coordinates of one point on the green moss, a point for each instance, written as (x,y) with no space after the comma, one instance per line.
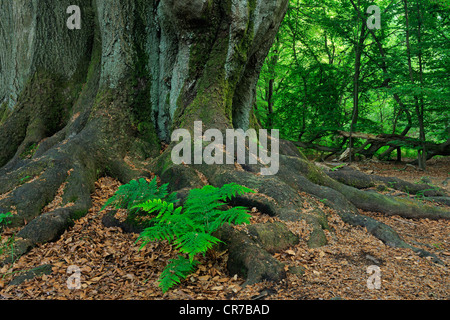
(322,219)
(140,80)
(29,151)
(199,55)
(297,270)
(273,237)
(254,123)
(129,115)
(314,174)
(78,214)
(4,112)
(163,163)
(317,239)
(207,64)
(73,199)
(96,58)
(214,94)
(48,100)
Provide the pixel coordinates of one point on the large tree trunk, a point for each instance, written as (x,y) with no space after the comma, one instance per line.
(100,100)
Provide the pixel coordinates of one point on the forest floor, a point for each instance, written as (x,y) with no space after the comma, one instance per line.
(113,267)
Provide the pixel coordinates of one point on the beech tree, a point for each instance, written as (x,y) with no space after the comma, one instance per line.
(104,98)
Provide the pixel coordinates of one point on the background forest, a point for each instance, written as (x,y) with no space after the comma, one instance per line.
(329,72)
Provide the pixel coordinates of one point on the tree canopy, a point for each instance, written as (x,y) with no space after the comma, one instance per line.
(330,70)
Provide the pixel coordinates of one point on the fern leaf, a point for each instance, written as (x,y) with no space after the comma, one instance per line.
(157,232)
(136,192)
(232,190)
(202,201)
(210,198)
(235,215)
(175,271)
(165,210)
(193,243)
(190,228)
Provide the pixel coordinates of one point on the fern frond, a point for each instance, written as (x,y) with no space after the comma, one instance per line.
(193,243)
(234,215)
(229,191)
(175,271)
(157,232)
(203,200)
(157,205)
(136,192)
(189,228)
(210,198)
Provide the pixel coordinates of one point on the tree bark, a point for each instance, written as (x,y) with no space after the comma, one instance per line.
(421,154)
(356,81)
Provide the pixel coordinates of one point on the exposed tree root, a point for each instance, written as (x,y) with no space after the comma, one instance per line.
(74,158)
(361,180)
(280,196)
(366,200)
(76,162)
(348,211)
(248,259)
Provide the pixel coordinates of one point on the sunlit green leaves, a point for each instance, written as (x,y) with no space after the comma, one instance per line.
(314,73)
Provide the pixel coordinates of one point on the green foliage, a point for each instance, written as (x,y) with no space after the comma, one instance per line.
(29,152)
(311,71)
(139,191)
(176,270)
(4,218)
(6,245)
(190,228)
(338,167)
(4,112)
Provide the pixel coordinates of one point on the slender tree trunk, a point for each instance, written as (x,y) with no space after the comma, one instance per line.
(356,81)
(421,157)
(420,111)
(386,83)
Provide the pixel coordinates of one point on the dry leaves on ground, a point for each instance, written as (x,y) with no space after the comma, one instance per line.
(112,265)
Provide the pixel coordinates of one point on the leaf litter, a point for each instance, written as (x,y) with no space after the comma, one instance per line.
(112,265)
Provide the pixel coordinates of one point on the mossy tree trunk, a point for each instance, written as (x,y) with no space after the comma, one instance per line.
(77,104)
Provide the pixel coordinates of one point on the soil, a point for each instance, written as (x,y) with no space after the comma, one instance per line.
(113,266)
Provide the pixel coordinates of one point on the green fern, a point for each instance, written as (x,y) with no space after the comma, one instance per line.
(167,225)
(164,208)
(190,228)
(207,205)
(176,270)
(136,192)
(193,243)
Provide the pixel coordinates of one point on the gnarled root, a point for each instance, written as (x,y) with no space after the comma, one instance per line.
(281,196)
